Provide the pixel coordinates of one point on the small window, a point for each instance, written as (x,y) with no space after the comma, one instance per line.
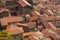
(13,14)
(2,27)
(4,14)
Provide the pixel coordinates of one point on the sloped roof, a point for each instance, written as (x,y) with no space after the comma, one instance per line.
(7,20)
(23,3)
(15,30)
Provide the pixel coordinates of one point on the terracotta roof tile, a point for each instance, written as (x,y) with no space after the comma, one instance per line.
(35,13)
(31,24)
(49,25)
(7,20)
(48,12)
(23,3)
(15,30)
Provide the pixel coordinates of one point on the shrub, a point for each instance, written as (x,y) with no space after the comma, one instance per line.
(4,35)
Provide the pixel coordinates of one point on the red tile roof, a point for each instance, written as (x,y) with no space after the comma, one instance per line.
(49,25)
(35,13)
(7,20)
(49,12)
(22,3)
(15,30)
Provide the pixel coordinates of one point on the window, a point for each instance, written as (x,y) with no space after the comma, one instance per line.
(4,14)
(13,14)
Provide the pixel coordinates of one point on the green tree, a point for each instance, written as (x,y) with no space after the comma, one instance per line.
(5,36)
